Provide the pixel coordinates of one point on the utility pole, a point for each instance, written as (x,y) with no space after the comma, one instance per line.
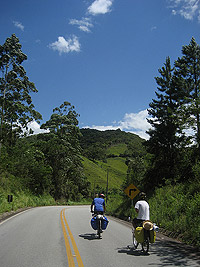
(107,188)
(94,188)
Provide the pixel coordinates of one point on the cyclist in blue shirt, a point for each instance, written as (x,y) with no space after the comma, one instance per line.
(99,204)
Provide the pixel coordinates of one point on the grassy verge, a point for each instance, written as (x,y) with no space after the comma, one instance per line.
(10,185)
(22,200)
(177,210)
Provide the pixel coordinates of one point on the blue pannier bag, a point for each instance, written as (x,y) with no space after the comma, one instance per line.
(94,223)
(104,223)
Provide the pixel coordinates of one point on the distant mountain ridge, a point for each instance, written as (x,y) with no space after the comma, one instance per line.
(107,139)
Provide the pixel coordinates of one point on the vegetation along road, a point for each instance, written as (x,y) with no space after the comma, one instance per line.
(62,236)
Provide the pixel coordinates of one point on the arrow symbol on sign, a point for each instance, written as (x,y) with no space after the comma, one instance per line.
(130,190)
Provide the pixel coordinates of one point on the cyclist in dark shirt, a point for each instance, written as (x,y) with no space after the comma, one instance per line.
(99,204)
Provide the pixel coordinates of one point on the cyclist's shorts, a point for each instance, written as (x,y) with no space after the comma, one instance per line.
(138,222)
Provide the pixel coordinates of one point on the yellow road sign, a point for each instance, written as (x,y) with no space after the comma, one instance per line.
(131,191)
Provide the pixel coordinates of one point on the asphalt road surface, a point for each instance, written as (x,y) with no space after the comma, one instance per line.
(62,236)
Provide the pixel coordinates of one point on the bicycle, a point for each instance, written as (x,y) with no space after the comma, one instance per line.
(143,234)
(144,244)
(99,223)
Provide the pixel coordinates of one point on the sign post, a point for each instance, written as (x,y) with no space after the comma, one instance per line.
(131,192)
(10,199)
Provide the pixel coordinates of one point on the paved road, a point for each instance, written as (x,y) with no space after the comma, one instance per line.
(62,236)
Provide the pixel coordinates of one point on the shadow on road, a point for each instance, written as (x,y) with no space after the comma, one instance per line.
(173,253)
(89,236)
(131,251)
(170,253)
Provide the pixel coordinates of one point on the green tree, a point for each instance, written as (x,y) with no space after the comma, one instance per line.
(136,172)
(28,166)
(95,152)
(16,107)
(166,135)
(31,166)
(62,149)
(188,74)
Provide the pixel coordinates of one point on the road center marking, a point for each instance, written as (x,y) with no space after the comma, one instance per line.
(76,255)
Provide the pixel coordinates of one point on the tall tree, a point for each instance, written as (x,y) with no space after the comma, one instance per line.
(63,151)
(188,74)
(16,107)
(166,134)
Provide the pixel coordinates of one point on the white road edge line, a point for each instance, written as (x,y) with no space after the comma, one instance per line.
(12,216)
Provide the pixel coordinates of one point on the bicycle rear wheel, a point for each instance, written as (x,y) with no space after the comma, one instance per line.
(99,231)
(135,243)
(145,245)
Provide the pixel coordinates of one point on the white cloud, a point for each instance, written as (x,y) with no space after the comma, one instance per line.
(35,127)
(189,9)
(132,122)
(100,7)
(103,128)
(65,46)
(135,121)
(18,25)
(84,24)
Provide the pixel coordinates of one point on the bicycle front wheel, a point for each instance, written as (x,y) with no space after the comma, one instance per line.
(145,245)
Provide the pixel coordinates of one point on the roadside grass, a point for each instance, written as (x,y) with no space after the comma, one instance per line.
(177,210)
(10,185)
(22,200)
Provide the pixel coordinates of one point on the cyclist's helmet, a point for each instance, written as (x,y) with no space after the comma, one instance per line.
(102,195)
(142,196)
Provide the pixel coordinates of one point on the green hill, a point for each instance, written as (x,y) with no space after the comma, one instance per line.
(116,149)
(97,172)
(105,154)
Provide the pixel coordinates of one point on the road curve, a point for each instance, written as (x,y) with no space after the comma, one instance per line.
(62,236)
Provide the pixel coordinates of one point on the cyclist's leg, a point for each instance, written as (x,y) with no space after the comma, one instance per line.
(145,244)
(134,223)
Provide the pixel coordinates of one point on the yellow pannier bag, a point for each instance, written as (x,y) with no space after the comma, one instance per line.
(139,234)
(152,236)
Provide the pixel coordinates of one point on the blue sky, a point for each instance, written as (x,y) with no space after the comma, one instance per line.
(100,55)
